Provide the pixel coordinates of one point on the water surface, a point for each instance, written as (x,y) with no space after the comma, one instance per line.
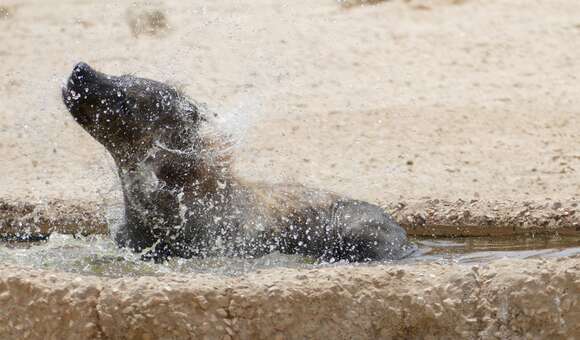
(98,255)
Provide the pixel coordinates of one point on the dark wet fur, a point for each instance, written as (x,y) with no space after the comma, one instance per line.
(181,198)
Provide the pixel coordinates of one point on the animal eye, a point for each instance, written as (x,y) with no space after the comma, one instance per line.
(127,105)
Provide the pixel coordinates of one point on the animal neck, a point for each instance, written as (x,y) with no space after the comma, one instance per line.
(197,178)
(164,195)
(165,176)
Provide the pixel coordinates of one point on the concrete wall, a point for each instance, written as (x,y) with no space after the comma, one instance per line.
(19,218)
(505,299)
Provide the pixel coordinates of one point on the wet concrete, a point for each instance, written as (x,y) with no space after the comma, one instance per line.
(460,297)
(504,299)
(431,217)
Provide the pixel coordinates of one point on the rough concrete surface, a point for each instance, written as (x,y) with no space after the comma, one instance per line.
(20,219)
(507,299)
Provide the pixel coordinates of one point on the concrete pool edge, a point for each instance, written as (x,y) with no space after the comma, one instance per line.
(420,218)
(504,299)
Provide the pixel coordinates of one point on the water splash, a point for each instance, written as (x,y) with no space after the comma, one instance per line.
(99,255)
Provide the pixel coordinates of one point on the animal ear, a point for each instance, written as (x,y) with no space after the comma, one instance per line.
(191,111)
(178,139)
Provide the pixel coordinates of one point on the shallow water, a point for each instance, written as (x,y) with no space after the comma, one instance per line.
(98,255)
(484,249)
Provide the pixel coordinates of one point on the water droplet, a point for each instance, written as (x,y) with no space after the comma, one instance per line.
(75,95)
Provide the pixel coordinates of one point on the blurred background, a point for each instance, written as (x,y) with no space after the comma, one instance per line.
(380,100)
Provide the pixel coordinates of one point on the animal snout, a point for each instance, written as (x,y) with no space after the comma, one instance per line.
(82,71)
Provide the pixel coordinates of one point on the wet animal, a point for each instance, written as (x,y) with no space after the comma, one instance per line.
(182,199)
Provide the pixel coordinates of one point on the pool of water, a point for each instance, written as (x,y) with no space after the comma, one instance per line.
(484,249)
(98,255)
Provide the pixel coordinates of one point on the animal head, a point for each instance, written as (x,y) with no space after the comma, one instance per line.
(131,115)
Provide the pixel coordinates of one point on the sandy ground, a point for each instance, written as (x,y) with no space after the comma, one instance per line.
(398,101)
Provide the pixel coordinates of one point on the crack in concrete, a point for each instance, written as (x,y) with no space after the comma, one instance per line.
(100,332)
